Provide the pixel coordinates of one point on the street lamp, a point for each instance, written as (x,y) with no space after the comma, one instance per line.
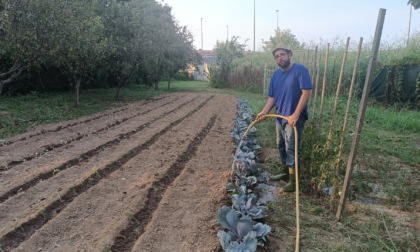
(277,19)
(201,33)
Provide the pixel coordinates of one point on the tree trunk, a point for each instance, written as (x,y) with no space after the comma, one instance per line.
(77,90)
(1,87)
(169,83)
(156,85)
(121,84)
(40,81)
(10,76)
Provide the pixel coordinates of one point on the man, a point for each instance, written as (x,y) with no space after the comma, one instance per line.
(289,92)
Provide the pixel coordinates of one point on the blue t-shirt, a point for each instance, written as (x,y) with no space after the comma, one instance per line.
(286,89)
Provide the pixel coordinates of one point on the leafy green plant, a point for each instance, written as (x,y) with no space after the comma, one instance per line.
(246,205)
(242,235)
(245,169)
(248,181)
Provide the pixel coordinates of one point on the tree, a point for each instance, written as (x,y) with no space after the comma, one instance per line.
(90,40)
(414,3)
(282,36)
(163,34)
(123,46)
(226,52)
(62,34)
(80,44)
(25,36)
(180,54)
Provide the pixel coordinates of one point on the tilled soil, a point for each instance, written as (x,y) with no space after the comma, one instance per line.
(149,176)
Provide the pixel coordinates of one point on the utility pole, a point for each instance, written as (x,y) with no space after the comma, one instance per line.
(201,33)
(409,25)
(277,19)
(227,33)
(254,25)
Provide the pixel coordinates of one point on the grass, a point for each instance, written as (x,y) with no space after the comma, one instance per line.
(23,113)
(388,157)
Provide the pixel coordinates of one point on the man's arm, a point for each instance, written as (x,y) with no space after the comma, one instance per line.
(268,106)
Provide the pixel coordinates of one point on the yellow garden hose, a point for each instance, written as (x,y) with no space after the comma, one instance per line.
(296,171)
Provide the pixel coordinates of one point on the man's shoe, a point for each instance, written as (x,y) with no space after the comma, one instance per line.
(284,175)
(291,186)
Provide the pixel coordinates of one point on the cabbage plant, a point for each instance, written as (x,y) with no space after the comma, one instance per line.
(246,205)
(241,235)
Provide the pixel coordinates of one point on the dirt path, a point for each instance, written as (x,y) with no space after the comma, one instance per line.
(146,177)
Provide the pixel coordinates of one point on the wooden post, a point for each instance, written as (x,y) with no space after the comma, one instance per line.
(309,61)
(318,62)
(314,62)
(343,63)
(343,131)
(324,83)
(265,76)
(361,113)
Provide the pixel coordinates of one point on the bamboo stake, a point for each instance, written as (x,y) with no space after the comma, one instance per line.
(343,131)
(324,83)
(361,113)
(309,67)
(265,76)
(340,78)
(316,89)
(308,57)
(314,62)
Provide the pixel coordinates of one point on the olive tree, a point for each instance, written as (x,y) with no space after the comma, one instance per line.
(180,54)
(414,3)
(226,52)
(81,44)
(26,36)
(282,36)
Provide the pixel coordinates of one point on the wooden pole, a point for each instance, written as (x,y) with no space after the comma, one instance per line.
(343,131)
(340,79)
(265,76)
(314,62)
(318,62)
(309,67)
(324,83)
(362,110)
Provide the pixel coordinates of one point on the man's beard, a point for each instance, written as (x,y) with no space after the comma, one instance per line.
(285,64)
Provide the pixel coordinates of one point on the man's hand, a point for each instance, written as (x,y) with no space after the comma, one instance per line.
(261,116)
(291,120)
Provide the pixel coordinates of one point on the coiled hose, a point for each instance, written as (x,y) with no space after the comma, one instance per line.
(296,172)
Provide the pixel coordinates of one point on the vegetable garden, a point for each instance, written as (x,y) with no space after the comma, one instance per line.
(149,176)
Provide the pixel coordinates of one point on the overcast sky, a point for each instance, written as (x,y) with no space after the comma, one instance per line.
(309,20)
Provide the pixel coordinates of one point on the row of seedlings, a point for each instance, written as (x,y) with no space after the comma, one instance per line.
(242,222)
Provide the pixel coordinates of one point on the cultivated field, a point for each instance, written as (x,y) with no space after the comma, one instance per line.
(149,176)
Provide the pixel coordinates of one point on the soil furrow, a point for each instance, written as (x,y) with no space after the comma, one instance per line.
(82,157)
(61,127)
(93,220)
(13,238)
(51,146)
(126,238)
(20,208)
(9,190)
(186,215)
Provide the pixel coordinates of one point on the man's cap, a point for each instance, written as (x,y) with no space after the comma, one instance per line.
(281,47)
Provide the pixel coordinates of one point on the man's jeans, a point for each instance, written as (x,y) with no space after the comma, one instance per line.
(286,141)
